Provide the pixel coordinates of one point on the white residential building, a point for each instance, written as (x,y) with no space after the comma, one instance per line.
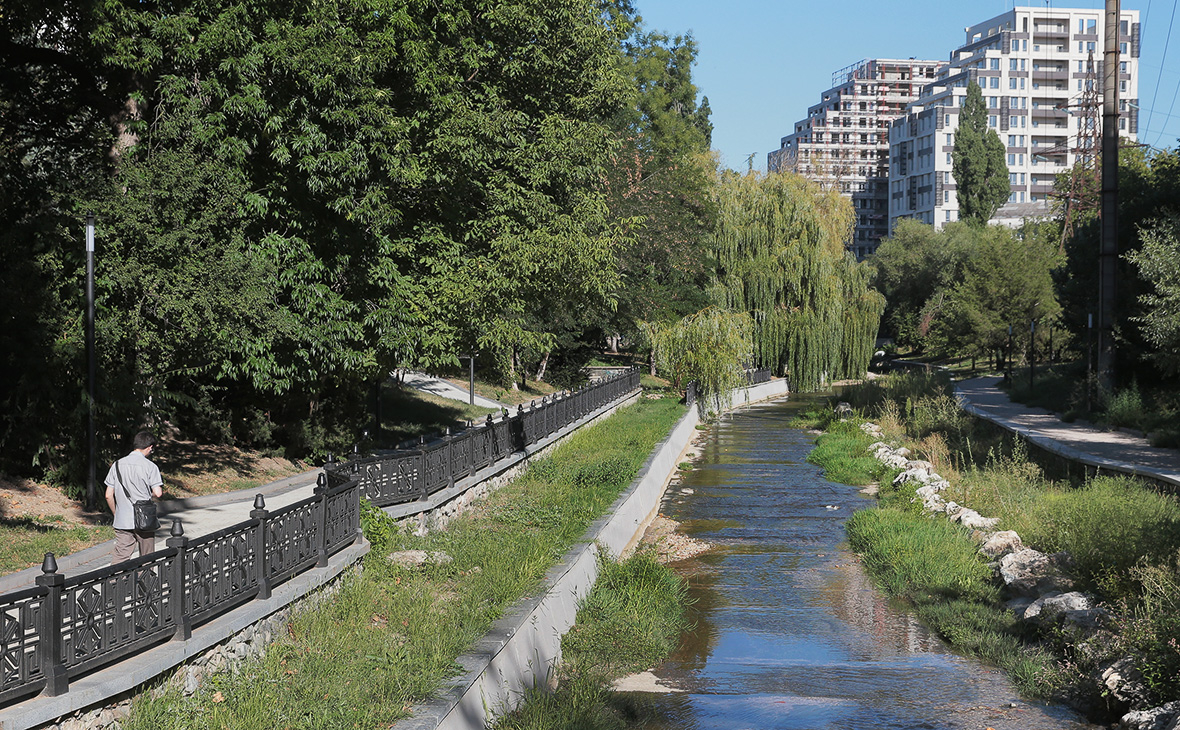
(1040,71)
(844,145)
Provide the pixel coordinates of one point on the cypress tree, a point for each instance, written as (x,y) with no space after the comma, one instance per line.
(981,173)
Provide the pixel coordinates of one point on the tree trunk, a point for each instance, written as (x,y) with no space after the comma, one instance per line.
(613,341)
(651,361)
(512,370)
(540,377)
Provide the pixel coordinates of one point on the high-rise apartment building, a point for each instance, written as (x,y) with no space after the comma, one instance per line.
(844,142)
(1040,71)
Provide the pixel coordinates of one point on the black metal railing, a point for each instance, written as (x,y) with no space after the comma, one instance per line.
(68,625)
(692,391)
(415,471)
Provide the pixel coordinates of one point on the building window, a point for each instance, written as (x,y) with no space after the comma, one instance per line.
(1012,83)
(995,82)
(1123,48)
(1011,160)
(995,64)
(991,121)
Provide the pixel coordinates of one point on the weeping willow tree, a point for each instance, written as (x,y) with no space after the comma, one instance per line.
(708,347)
(779,241)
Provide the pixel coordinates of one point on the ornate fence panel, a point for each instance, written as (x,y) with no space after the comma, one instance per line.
(460,449)
(21,630)
(109,613)
(483,451)
(437,466)
(342,523)
(221,570)
(292,535)
(393,480)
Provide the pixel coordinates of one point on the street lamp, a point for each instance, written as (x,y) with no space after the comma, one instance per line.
(91,370)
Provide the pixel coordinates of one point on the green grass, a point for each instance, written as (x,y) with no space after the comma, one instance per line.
(1123,536)
(842,454)
(630,622)
(933,564)
(24,541)
(409,413)
(392,635)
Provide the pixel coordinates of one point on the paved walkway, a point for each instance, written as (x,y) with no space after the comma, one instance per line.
(445,389)
(1114,450)
(203,515)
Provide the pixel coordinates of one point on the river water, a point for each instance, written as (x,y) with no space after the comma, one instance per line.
(789,631)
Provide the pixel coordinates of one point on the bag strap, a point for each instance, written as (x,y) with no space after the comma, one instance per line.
(119,475)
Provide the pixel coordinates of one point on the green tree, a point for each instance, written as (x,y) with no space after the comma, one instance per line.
(912,266)
(1007,282)
(658,182)
(1158,262)
(979,169)
(779,242)
(709,348)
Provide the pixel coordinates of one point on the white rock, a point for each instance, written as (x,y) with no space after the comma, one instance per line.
(999,544)
(1163,717)
(1032,573)
(972,519)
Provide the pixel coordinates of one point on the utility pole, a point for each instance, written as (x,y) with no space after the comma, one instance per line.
(1109,249)
(91,373)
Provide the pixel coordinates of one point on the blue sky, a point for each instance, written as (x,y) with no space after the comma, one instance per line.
(763,62)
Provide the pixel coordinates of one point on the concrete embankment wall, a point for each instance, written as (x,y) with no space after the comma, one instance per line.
(523,647)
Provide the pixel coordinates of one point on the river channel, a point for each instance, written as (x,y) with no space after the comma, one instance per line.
(789,632)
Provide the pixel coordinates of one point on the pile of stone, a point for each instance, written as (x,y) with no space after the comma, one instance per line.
(1038,585)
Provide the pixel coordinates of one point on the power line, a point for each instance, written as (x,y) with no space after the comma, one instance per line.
(1163,61)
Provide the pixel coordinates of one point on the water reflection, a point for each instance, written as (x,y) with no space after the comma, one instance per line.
(789,632)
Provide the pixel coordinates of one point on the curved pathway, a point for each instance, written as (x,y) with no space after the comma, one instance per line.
(1113,450)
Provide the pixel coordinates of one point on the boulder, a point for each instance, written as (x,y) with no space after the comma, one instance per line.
(892,459)
(418,558)
(920,464)
(1124,682)
(999,544)
(871,429)
(843,410)
(1055,604)
(912,476)
(1164,717)
(972,519)
(1019,605)
(1031,573)
(932,501)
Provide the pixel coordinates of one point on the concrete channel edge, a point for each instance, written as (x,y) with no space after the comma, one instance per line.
(522,648)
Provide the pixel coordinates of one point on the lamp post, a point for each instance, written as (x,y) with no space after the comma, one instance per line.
(1032,352)
(91,371)
(1008,371)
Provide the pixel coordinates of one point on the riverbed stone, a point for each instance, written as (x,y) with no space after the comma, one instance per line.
(418,558)
(1164,717)
(1033,573)
(999,544)
(972,519)
(1123,680)
(1055,604)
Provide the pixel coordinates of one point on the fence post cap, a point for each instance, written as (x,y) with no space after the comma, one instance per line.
(321,481)
(49,564)
(259,502)
(178,529)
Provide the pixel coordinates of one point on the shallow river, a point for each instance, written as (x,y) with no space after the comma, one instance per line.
(789,631)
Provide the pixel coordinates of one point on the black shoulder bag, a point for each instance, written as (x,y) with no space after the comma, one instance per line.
(146,519)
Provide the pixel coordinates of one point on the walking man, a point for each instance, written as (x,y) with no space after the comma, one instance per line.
(131,479)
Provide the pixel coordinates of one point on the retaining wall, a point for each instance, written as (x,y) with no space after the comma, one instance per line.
(523,647)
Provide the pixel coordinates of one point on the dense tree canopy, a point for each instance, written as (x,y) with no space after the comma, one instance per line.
(294,198)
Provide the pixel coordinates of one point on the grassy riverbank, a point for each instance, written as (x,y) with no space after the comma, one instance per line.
(630,622)
(391,635)
(1123,537)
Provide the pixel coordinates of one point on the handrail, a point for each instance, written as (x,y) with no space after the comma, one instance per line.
(430,466)
(66,626)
